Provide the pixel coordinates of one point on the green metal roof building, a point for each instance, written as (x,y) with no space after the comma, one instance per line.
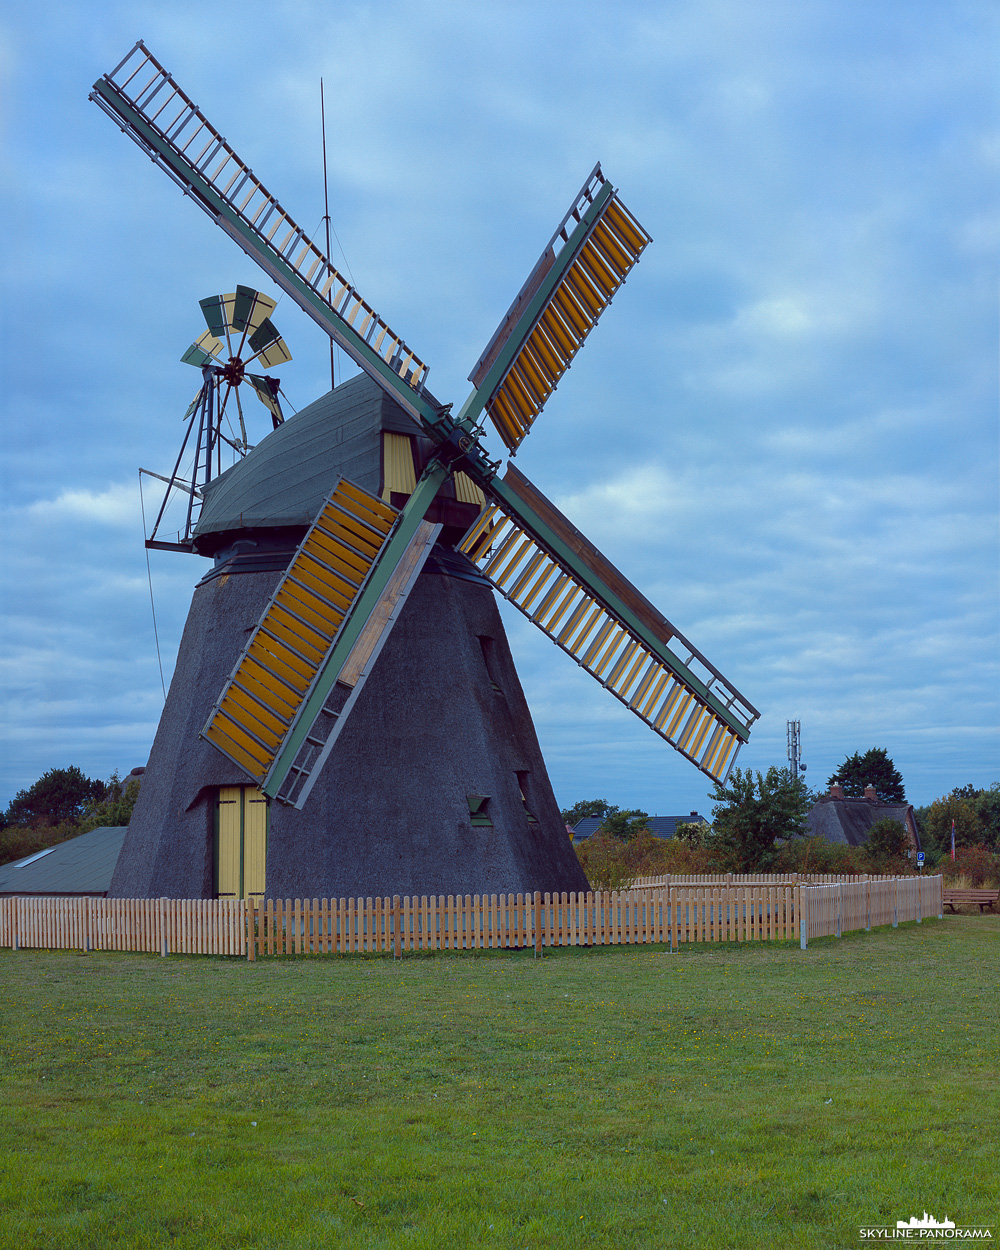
(82,865)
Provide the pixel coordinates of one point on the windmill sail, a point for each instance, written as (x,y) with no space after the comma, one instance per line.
(293,687)
(288,697)
(149,105)
(576,277)
(539,561)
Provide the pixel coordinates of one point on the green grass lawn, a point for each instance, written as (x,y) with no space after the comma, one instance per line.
(722,1097)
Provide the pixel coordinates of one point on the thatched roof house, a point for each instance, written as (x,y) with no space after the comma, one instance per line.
(848,821)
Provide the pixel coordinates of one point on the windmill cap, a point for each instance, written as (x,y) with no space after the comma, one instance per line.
(284,481)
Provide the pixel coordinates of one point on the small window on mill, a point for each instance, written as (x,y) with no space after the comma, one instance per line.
(479,811)
(487,644)
(523,785)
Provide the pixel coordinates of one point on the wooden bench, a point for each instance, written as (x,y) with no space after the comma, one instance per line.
(985,898)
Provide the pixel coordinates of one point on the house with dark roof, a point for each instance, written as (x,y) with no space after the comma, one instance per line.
(848,821)
(81,865)
(659,826)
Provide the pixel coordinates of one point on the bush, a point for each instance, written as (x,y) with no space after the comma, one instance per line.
(20,841)
(610,863)
(692,834)
(817,855)
(886,846)
(975,864)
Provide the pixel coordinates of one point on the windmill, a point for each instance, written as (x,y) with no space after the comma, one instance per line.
(295,704)
(239,334)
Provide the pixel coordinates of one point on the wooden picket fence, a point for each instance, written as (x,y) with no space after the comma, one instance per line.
(850,905)
(758,878)
(181,926)
(662,915)
(492,922)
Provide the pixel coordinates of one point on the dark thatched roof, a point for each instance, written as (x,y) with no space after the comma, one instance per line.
(286,478)
(847,821)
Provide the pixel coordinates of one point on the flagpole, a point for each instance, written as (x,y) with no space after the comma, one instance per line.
(326,207)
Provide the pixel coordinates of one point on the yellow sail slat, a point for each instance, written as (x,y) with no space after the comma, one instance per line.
(553,597)
(292,640)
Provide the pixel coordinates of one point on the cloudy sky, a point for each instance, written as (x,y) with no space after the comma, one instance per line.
(784,430)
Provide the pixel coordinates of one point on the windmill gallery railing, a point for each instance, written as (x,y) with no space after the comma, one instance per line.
(660,915)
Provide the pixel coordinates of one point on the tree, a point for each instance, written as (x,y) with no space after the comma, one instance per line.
(987,805)
(691,833)
(115,808)
(587,807)
(886,845)
(620,824)
(624,825)
(968,805)
(874,768)
(752,814)
(968,825)
(59,795)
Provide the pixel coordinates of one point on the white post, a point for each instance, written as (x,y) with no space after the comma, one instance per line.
(803,917)
(673,920)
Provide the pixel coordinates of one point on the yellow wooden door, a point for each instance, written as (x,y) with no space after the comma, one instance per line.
(254,842)
(240,842)
(229,839)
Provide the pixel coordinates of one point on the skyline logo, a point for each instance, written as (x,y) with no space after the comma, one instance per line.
(927,1222)
(925,1228)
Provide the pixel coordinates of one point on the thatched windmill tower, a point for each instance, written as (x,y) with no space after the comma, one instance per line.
(441,726)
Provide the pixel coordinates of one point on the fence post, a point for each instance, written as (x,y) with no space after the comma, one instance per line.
(840,909)
(940,894)
(536,913)
(895,899)
(397,937)
(673,920)
(803,916)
